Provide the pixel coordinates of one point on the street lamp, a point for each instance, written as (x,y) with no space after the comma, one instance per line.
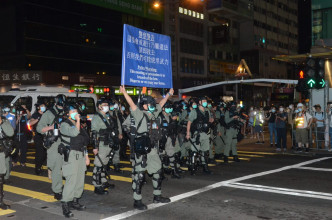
(156,4)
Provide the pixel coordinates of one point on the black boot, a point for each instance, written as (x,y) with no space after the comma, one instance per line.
(139,205)
(117,168)
(175,175)
(160,199)
(2,204)
(76,205)
(206,169)
(100,190)
(217,156)
(226,159)
(236,158)
(108,185)
(66,211)
(58,196)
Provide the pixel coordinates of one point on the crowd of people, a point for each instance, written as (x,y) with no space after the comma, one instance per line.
(303,125)
(162,138)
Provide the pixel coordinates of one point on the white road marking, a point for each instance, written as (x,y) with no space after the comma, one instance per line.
(315,168)
(212,186)
(285,191)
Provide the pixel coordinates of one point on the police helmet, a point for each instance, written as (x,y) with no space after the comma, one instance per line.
(69,106)
(81,106)
(102,100)
(60,100)
(148,100)
(168,104)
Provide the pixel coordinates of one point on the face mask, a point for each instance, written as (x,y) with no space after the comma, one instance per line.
(116,106)
(209,106)
(251,109)
(112,108)
(151,108)
(194,106)
(123,108)
(273,110)
(43,109)
(204,104)
(281,109)
(300,109)
(105,109)
(290,107)
(184,107)
(14,110)
(296,111)
(6,109)
(72,115)
(168,110)
(83,107)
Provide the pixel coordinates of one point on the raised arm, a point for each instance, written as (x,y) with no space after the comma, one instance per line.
(164,100)
(128,98)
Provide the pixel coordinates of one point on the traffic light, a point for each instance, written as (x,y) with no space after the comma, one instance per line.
(315,73)
(320,73)
(302,81)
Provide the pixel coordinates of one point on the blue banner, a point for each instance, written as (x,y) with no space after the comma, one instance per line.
(146,59)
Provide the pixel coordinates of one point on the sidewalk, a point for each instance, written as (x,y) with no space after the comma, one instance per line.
(248,144)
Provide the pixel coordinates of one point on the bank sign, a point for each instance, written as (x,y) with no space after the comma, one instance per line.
(146,59)
(135,7)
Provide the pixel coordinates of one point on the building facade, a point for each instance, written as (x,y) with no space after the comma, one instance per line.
(321,22)
(273,31)
(70,41)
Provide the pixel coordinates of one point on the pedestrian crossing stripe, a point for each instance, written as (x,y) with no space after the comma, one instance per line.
(43,179)
(118,178)
(29,193)
(6,212)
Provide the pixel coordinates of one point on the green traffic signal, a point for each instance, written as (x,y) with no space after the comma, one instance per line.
(311,83)
(322,83)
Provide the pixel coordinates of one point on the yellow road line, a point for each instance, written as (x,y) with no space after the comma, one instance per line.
(29,193)
(6,212)
(259,153)
(119,178)
(250,155)
(184,168)
(221,161)
(241,158)
(44,179)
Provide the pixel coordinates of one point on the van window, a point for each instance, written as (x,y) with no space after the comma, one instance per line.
(90,103)
(47,100)
(6,99)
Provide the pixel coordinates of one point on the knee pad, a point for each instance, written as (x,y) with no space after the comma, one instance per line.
(158,180)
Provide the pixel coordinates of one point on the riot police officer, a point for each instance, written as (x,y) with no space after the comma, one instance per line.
(73,148)
(145,146)
(183,121)
(104,132)
(233,121)
(38,138)
(198,129)
(6,131)
(221,131)
(48,126)
(169,144)
(113,114)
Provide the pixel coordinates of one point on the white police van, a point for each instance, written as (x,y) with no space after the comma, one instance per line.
(29,96)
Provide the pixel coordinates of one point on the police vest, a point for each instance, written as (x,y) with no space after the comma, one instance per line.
(201,123)
(79,142)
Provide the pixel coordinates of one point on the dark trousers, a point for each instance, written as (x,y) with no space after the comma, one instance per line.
(281,135)
(40,151)
(123,146)
(22,145)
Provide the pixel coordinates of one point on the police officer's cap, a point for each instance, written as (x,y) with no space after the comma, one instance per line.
(60,100)
(202,98)
(102,100)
